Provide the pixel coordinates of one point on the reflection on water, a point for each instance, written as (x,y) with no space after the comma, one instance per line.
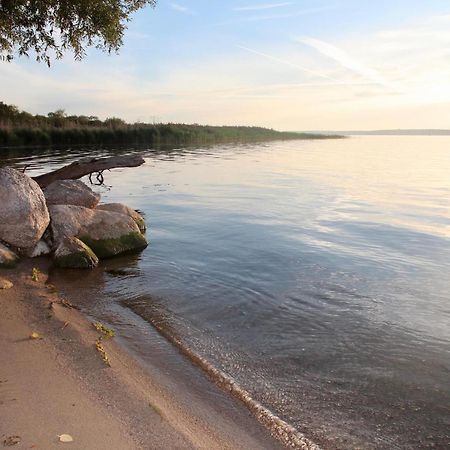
(314,273)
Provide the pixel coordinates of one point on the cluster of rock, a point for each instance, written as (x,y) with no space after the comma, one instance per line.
(65,220)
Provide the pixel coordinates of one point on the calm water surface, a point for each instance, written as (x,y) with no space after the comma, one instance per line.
(315,273)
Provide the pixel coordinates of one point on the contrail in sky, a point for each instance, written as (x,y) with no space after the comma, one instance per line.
(295,66)
(345,60)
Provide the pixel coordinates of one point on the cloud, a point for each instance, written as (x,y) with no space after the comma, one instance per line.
(263,6)
(284,85)
(315,73)
(416,55)
(288,15)
(137,35)
(345,60)
(182,9)
(287,63)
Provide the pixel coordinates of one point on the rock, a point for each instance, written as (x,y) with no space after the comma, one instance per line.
(7,257)
(71,192)
(5,284)
(23,211)
(40,249)
(68,220)
(74,254)
(106,233)
(124,209)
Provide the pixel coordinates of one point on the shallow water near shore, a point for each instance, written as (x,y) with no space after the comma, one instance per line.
(314,273)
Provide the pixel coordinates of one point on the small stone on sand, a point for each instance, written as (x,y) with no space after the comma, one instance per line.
(5,284)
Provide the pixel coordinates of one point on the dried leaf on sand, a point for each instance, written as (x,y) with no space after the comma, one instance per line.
(65,438)
(35,335)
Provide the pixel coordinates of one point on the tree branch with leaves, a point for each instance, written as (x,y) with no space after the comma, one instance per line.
(50,28)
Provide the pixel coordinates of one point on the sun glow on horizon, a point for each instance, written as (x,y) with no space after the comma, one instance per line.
(219,72)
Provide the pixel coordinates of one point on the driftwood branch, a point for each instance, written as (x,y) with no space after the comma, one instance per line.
(88,166)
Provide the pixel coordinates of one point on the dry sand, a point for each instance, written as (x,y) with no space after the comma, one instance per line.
(60,385)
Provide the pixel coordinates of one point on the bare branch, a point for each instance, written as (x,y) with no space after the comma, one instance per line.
(88,166)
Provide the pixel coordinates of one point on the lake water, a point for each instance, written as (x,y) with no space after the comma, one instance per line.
(315,273)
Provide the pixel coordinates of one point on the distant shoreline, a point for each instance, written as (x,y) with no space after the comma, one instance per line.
(153,135)
(396,132)
(23,129)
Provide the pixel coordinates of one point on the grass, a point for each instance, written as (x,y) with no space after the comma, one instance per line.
(152,135)
(20,128)
(108,332)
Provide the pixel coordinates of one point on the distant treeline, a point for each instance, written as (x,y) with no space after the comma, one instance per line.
(20,128)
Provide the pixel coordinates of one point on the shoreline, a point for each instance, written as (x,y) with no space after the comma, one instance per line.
(172,144)
(280,429)
(60,385)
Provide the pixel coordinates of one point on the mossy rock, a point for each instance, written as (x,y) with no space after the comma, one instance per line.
(124,209)
(140,222)
(74,254)
(107,248)
(78,260)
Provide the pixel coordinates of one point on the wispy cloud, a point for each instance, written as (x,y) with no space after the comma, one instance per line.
(276,16)
(262,6)
(138,35)
(335,81)
(287,63)
(287,15)
(182,9)
(281,90)
(345,60)
(335,85)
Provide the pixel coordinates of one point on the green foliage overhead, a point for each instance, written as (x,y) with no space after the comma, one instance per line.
(49,28)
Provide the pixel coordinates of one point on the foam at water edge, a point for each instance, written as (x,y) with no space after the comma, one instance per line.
(281,430)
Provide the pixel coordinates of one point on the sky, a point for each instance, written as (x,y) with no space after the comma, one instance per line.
(288,65)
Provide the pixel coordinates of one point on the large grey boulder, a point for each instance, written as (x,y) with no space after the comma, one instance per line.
(7,257)
(124,209)
(71,192)
(106,233)
(74,254)
(23,211)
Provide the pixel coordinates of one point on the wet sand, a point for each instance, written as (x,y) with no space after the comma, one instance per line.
(59,384)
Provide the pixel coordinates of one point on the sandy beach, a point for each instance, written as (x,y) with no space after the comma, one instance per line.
(57,383)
